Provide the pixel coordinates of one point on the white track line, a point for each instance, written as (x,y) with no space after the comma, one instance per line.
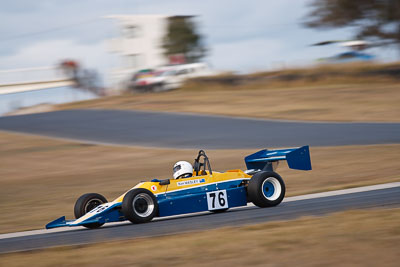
(343,191)
(288,199)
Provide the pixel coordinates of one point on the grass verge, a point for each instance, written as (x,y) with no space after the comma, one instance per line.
(41,178)
(326,93)
(351,238)
(318,103)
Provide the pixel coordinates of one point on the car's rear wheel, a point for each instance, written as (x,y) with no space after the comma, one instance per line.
(266,189)
(139,205)
(86,203)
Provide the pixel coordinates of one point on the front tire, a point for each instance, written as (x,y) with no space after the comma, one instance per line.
(266,189)
(86,203)
(139,205)
(158,87)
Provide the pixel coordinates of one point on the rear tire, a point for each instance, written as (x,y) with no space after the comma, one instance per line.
(266,189)
(139,205)
(86,203)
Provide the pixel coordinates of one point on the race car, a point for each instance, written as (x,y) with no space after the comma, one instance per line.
(205,190)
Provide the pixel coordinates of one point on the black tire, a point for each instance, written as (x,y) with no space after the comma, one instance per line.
(158,87)
(86,203)
(139,205)
(266,189)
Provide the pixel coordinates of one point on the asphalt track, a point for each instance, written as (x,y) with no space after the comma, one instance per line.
(291,208)
(160,129)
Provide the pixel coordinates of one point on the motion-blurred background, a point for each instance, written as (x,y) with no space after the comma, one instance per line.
(322,61)
(107,47)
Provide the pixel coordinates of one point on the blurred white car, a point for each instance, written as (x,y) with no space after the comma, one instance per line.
(171,77)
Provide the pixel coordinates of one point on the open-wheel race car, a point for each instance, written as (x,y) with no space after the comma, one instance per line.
(204,190)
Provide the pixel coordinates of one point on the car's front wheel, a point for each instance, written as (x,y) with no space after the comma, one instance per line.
(86,203)
(159,87)
(139,205)
(266,189)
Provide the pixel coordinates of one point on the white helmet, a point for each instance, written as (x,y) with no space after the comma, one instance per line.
(182,168)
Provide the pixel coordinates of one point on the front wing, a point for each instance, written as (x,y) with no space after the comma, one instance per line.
(108,212)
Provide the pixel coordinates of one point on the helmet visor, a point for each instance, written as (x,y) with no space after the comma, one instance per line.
(177,168)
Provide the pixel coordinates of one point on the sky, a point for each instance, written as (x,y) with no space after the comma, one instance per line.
(241,35)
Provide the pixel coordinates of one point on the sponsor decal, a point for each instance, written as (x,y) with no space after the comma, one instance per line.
(191,182)
(99,208)
(154,188)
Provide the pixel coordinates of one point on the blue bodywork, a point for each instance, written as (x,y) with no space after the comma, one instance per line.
(194,199)
(111,214)
(173,203)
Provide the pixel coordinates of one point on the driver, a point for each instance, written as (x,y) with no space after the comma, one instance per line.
(182,169)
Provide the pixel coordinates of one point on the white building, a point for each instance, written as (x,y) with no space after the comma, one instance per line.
(139,45)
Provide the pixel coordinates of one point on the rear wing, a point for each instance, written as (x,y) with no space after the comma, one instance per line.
(267,160)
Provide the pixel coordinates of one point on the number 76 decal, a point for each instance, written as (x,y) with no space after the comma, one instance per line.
(217,200)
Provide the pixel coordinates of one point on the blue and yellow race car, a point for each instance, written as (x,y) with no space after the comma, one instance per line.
(205,190)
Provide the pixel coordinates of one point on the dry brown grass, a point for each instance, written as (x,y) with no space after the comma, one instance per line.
(361,92)
(41,178)
(352,238)
(368,102)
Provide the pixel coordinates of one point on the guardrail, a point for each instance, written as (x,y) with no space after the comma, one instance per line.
(28,79)
(28,75)
(24,87)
